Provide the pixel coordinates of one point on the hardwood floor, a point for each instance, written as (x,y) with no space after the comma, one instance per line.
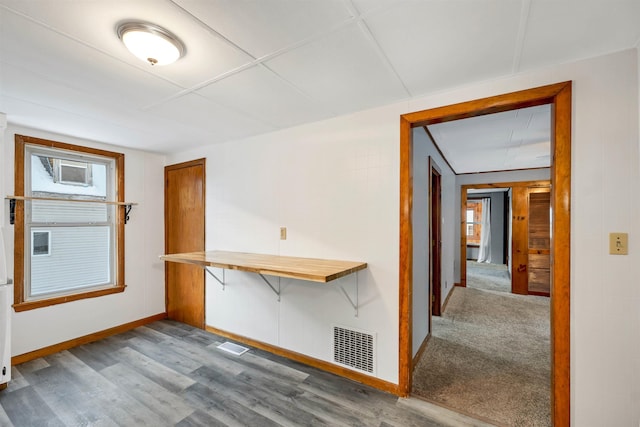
(171,374)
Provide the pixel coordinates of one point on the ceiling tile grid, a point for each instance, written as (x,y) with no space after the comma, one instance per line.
(260,93)
(343,71)
(263,27)
(569,30)
(220,122)
(256,66)
(435,45)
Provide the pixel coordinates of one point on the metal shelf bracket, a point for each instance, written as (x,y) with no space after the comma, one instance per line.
(12,211)
(353,304)
(212,274)
(277,292)
(127,209)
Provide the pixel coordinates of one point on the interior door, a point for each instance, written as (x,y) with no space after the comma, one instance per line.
(539,242)
(184,232)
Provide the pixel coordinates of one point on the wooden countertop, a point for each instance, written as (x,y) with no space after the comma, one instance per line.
(316,270)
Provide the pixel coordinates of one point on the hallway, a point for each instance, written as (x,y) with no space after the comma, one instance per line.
(489,353)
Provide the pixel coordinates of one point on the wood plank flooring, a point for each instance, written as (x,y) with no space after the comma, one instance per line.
(170,374)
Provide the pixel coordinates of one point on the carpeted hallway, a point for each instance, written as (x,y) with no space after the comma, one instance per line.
(489,353)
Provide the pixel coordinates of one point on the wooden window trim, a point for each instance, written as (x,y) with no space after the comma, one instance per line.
(19,301)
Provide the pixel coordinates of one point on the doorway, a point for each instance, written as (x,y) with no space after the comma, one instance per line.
(435,237)
(559,96)
(529,235)
(184,216)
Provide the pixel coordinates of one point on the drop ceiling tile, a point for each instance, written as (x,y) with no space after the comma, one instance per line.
(196,111)
(263,27)
(368,6)
(343,71)
(33,101)
(31,47)
(564,31)
(529,156)
(480,161)
(435,45)
(94,24)
(56,120)
(516,139)
(259,93)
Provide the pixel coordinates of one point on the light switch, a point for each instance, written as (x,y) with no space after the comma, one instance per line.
(283,233)
(618,243)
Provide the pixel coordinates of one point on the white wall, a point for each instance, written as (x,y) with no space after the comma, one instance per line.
(423,148)
(334,184)
(144,241)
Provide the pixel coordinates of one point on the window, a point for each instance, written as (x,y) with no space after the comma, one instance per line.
(40,243)
(474,221)
(69,237)
(70,172)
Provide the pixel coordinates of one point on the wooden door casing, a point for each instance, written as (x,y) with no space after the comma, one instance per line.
(185,232)
(559,95)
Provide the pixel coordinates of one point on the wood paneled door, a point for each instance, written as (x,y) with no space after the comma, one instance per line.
(531,241)
(539,241)
(184,198)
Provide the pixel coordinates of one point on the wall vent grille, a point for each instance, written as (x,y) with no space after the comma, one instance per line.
(354,349)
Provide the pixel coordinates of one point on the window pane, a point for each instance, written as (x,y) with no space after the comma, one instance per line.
(74,172)
(52,211)
(57,177)
(40,243)
(469,215)
(79,258)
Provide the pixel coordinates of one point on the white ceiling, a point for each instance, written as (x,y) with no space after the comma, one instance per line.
(518,139)
(254,66)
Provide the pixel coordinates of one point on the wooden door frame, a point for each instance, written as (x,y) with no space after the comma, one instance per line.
(463,206)
(560,97)
(435,292)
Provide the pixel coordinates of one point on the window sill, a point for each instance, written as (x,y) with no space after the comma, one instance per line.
(30,305)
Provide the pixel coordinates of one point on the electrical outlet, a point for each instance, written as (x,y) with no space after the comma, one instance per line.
(283,233)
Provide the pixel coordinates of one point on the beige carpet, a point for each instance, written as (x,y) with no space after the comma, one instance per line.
(489,357)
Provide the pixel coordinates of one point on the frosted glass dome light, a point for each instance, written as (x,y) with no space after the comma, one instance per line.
(151,43)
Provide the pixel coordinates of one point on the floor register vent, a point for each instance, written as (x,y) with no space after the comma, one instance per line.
(232,348)
(354,349)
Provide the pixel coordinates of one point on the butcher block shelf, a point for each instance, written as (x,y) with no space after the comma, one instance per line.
(315,270)
(311,269)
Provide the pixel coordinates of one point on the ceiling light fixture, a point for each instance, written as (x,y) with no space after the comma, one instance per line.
(150,43)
